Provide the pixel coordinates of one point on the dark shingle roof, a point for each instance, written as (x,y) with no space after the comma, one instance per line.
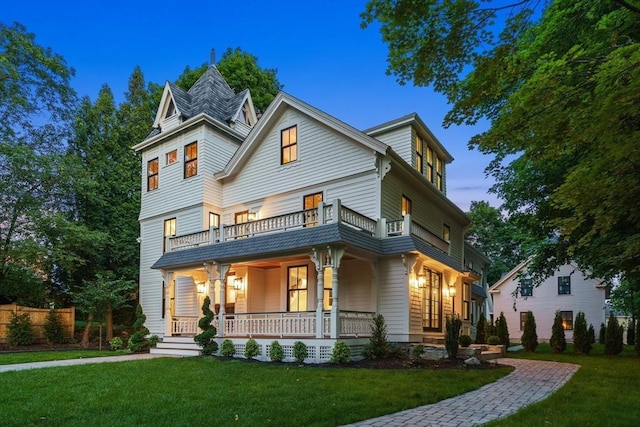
(213,96)
(182,100)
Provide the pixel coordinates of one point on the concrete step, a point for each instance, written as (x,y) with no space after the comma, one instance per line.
(186,346)
(490,355)
(175,352)
(179,339)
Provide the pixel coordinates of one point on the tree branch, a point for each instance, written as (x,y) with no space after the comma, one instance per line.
(627,5)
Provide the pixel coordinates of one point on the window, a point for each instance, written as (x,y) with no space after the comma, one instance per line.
(526,287)
(431,301)
(567,320)
(429,164)
(466,298)
(405,206)
(327,298)
(172,157)
(310,202)
(419,154)
(438,173)
(169,231)
(564,285)
(152,174)
(241,217)
(297,288)
(446,233)
(523,319)
(214,220)
(171,110)
(289,145)
(191,160)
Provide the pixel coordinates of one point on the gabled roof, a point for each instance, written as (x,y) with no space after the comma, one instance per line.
(281,102)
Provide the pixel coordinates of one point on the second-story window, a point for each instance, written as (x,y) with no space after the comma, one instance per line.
(446,233)
(405,206)
(429,164)
(169,231)
(289,145)
(419,154)
(311,201)
(152,174)
(526,287)
(438,173)
(172,157)
(564,285)
(191,160)
(214,220)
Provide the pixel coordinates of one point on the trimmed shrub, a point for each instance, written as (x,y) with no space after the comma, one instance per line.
(613,337)
(251,349)
(502,329)
(228,348)
(417,352)
(276,352)
(20,331)
(581,338)
(631,332)
(115,343)
(341,353)
(529,334)
(602,334)
(493,340)
(53,329)
(153,340)
(592,334)
(300,351)
(558,341)
(138,340)
(465,340)
(378,345)
(451,334)
(481,336)
(206,338)
(636,347)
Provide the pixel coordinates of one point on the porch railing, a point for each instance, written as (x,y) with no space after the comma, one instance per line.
(184,325)
(400,227)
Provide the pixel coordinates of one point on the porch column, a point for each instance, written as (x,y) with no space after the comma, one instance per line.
(210,269)
(317,257)
(167,277)
(335,257)
(223,269)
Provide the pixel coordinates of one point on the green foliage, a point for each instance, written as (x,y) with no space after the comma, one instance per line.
(558,341)
(19,330)
(631,332)
(529,335)
(417,352)
(592,334)
(465,340)
(602,334)
(581,339)
(206,338)
(251,348)
(54,331)
(341,353)
(137,340)
(228,349)
(300,351)
(378,345)
(116,343)
(493,340)
(451,334)
(153,340)
(502,329)
(276,352)
(481,326)
(613,344)
(636,347)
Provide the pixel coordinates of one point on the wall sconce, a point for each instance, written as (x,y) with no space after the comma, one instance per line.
(452,291)
(252,216)
(201,288)
(238,284)
(422,281)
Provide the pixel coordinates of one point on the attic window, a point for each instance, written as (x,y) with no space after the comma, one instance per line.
(171,110)
(246,115)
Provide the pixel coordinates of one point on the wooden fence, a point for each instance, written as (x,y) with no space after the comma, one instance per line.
(38,318)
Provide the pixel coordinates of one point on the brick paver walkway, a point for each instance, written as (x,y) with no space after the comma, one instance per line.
(530,382)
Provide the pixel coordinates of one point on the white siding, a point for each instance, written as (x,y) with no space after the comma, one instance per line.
(356,286)
(401,141)
(186,298)
(544,303)
(393,297)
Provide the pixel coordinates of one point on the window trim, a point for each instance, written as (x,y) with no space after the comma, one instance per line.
(431,323)
(188,161)
(526,284)
(439,173)
(564,285)
(565,319)
(216,219)
(419,155)
(173,154)
(291,146)
(153,175)
(171,232)
(299,290)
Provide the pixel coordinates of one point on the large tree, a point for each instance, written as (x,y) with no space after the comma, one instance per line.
(36,105)
(560,88)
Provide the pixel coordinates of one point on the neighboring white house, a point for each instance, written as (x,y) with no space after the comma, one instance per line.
(297,226)
(568,291)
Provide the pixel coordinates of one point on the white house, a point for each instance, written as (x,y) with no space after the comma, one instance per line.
(298,226)
(568,291)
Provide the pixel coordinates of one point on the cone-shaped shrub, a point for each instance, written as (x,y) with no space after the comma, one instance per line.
(206,338)
(581,338)
(592,334)
(502,329)
(529,335)
(602,334)
(138,340)
(558,342)
(636,347)
(631,332)
(613,337)
(53,328)
(378,346)
(451,335)
(481,336)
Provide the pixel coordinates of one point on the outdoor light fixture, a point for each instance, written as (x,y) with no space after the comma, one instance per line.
(452,291)
(422,281)
(252,216)
(201,288)
(238,284)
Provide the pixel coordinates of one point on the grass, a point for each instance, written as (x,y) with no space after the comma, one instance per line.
(207,391)
(44,356)
(605,391)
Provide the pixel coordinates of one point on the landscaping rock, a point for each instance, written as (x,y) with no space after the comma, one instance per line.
(472,361)
(515,348)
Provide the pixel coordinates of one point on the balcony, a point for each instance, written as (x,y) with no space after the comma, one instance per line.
(323,214)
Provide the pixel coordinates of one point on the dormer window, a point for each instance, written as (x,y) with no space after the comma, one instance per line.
(419,154)
(171,110)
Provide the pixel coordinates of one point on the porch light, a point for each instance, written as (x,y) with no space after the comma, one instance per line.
(252,216)
(452,291)
(422,281)
(238,284)
(201,288)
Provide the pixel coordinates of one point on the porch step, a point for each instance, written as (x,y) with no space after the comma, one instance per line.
(490,355)
(175,352)
(177,346)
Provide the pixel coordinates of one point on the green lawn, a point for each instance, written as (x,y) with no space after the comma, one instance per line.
(604,392)
(43,356)
(206,391)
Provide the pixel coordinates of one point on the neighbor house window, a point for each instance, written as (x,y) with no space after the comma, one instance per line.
(152,174)
(289,145)
(439,173)
(564,285)
(405,206)
(432,301)
(169,231)
(526,287)
(309,203)
(446,233)
(523,319)
(191,160)
(466,300)
(297,288)
(214,220)
(172,157)
(567,320)
(419,154)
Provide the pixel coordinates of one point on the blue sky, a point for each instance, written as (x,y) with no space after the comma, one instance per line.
(321,54)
